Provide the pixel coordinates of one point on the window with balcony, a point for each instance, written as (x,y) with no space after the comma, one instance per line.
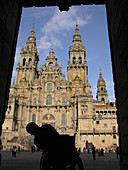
(105,125)
(63,129)
(63,119)
(74,60)
(49,87)
(80,60)
(49,100)
(63,101)
(24,61)
(34,118)
(34,101)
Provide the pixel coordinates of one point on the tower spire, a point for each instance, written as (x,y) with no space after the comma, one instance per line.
(33,26)
(100,73)
(51,53)
(77,36)
(32,32)
(77,30)
(102,94)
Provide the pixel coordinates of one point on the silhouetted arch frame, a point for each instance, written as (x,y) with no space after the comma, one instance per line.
(65,6)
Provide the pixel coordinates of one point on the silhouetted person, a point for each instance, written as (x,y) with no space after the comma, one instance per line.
(45,136)
(93,152)
(60,148)
(14,150)
(117,152)
(18,149)
(102,152)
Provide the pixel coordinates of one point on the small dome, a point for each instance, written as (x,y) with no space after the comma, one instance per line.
(101,81)
(77,36)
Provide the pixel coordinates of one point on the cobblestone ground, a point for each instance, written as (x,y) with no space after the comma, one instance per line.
(30,161)
(106,162)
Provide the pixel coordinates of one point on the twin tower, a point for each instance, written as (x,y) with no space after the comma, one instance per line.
(45,96)
(77,83)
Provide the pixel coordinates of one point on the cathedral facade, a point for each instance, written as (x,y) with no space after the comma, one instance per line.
(45,96)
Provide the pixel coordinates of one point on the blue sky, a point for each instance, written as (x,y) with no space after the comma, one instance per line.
(53,26)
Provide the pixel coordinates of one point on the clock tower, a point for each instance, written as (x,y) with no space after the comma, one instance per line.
(77,66)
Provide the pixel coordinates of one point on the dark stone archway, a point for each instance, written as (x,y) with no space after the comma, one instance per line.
(117,15)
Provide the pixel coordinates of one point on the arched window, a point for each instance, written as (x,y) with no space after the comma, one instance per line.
(34,101)
(27,47)
(80,60)
(49,100)
(63,129)
(45,117)
(101,88)
(50,65)
(102,100)
(49,87)
(74,60)
(34,118)
(51,117)
(114,128)
(29,61)
(63,101)
(9,107)
(63,119)
(24,60)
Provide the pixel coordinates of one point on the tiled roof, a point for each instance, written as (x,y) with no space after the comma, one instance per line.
(104,106)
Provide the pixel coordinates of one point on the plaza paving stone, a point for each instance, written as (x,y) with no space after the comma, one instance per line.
(30,161)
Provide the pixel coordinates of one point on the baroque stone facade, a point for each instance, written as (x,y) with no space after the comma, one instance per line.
(45,96)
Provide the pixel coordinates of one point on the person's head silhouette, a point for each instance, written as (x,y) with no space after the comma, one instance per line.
(32,128)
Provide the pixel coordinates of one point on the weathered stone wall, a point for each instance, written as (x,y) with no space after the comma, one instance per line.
(117,14)
(10,13)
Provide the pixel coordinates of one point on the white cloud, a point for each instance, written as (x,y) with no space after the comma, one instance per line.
(13,76)
(59,24)
(110,85)
(63,21)
(38,13)
(112,98)
(56,41)
(43,43)
(94,91)
(110,89)
(17,55)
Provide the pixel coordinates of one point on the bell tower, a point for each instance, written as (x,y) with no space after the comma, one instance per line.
(27,68)
(102,94)
(77,66)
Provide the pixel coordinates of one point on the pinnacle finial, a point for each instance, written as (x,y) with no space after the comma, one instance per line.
(100,72)
(76,26)
(33,26)
(51,46)
(51,53)
(32,32)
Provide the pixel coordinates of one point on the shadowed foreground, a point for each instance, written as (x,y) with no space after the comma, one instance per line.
(28,160)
